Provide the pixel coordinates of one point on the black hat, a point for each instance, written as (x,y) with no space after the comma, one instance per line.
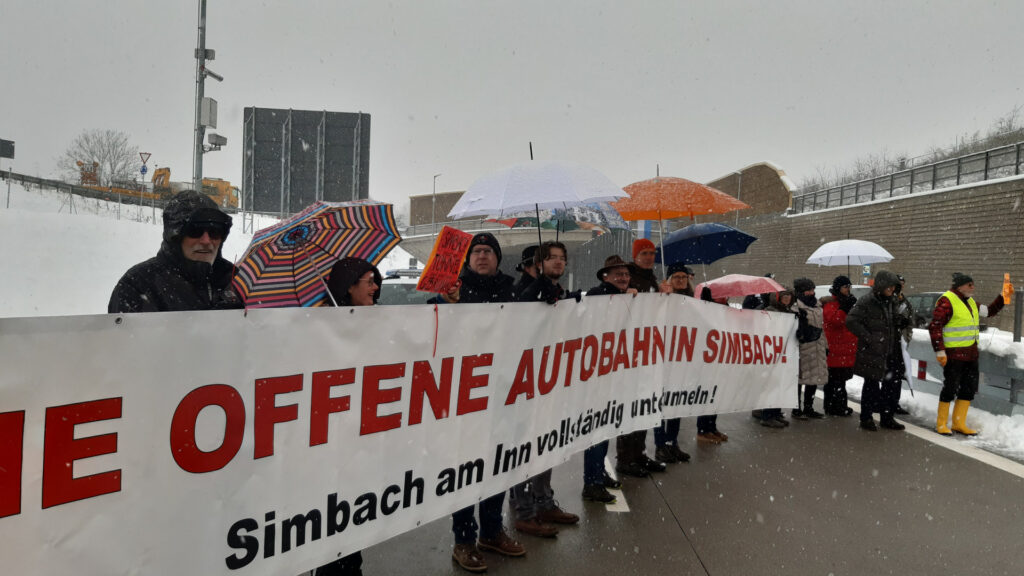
(959,279)
(191,207)
(344,275)
(838,284)
(613,261)
(527,258)
(678,267)
(487,239)
(801,285)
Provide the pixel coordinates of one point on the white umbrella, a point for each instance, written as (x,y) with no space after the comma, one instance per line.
(535,185)
(847,252)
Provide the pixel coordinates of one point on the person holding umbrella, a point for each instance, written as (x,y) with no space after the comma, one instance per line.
(707,425)
(954,334)
(351,282)
(481,282)
(533,501)
(842,345)
(666,436)
(527,269)
(777,302)
(614,278)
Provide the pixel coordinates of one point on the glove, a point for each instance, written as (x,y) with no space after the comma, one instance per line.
(941,357)
(846,304)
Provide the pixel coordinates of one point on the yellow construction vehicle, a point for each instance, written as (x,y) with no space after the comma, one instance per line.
(221,191)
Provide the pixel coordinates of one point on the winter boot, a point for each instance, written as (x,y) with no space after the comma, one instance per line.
(810,412)
(960,418)
(941,425)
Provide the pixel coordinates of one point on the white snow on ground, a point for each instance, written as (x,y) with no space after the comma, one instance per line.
(57,263)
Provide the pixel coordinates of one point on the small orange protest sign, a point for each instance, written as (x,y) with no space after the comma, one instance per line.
(446,258)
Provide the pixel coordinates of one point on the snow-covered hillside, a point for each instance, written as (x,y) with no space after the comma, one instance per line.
(59,259)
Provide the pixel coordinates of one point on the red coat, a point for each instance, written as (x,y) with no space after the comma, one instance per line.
(842,344)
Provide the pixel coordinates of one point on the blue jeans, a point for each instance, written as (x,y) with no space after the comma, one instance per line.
(593,464)
(667,433)
(464,524)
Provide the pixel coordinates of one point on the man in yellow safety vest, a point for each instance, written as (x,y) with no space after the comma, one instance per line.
(954,336)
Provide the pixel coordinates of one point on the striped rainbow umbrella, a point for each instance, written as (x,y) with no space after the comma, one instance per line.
(287,264)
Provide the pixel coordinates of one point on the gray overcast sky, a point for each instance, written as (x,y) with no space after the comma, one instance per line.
(460,87)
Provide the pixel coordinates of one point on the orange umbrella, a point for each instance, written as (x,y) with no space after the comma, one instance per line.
(665,197)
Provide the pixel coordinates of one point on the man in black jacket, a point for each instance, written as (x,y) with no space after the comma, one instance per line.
(533,501)
(188,273)
(877,326)
(614,277)
(481,282)
(527,269)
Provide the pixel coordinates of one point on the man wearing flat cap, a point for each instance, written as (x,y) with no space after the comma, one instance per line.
(188,272)
(954,335)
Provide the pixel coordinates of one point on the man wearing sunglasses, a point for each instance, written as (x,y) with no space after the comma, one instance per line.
(188,272)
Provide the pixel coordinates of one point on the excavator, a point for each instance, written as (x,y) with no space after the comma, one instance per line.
(220,191)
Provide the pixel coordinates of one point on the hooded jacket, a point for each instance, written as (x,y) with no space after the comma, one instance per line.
(873,322)
(813,348)
(345,274)
(171,282)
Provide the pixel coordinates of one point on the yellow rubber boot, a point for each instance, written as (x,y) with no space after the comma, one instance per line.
(960,418)
(941,420)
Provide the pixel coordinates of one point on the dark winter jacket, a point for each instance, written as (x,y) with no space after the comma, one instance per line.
(169,282)
(754,302)
(842,344)
(873,322)
(543,289)
(477,289)
(345,274)
(522,284)
(604,289)
(642,279)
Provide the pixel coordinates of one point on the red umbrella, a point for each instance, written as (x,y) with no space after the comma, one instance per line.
(736,285)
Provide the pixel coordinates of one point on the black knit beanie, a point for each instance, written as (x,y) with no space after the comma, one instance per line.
(487,239)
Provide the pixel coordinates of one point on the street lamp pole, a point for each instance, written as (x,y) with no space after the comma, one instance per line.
(433,207)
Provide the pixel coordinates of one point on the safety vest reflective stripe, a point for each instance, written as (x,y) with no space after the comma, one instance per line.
(962,329)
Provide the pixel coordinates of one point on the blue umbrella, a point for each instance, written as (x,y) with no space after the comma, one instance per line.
(704,243)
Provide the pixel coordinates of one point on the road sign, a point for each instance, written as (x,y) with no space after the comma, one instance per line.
(6,149)
(145,157)
(143,169)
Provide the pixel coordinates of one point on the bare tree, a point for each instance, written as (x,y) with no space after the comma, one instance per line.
(115,158)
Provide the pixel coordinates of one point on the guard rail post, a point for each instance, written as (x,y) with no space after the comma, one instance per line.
(1018,314)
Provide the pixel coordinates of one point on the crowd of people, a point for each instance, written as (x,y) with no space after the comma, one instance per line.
(839,336)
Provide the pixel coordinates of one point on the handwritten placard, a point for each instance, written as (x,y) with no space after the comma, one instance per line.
(446,258)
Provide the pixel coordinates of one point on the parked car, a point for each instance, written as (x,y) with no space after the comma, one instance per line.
(399,288)
(858,291)
(924,304)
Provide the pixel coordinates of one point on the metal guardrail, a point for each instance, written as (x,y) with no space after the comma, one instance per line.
(93,193)
(995,163)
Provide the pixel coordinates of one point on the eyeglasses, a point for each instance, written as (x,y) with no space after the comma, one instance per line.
(481,250)
(213,230)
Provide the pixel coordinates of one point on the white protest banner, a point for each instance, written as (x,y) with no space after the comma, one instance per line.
(273,442)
